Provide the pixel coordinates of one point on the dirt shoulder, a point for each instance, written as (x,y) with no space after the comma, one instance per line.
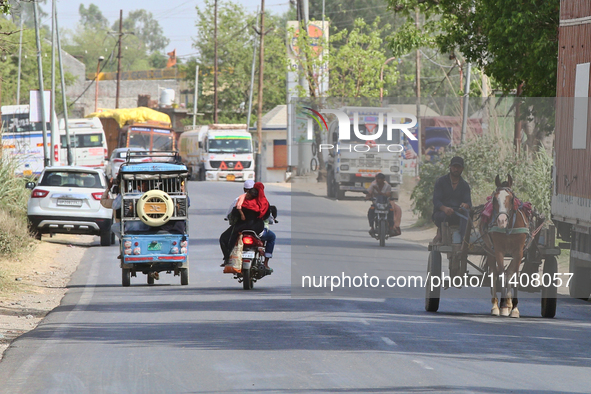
(34,283)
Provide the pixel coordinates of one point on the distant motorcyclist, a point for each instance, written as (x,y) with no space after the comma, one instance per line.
(379,187)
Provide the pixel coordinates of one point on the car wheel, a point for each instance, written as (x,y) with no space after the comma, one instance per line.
(106,236)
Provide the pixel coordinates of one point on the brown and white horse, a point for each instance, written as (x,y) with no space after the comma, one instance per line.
(508,235)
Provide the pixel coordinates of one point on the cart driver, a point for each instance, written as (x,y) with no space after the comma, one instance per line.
(451,198)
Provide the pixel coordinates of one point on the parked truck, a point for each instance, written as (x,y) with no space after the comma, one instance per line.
(218,152)
(352,165)
(571,197)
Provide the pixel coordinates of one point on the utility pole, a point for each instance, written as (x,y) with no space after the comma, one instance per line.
(260,96)
(517,129)
(20,54)
(41,88)
(120,35)
(418,78)
(215,62)
(63,83)
(119,60)
(195,96)
(54,128)
(254,56)
(465,103)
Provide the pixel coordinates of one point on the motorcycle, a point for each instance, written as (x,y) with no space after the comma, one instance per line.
(381,205)
(253,260)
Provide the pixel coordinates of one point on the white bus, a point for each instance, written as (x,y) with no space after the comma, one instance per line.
(22,140)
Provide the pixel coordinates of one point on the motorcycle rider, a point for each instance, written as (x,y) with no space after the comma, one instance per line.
(250,216)
(379,187)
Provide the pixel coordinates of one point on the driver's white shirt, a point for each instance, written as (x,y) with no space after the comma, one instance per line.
(373,189)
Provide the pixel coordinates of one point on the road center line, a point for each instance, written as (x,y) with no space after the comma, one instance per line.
(422,364)
(388,341)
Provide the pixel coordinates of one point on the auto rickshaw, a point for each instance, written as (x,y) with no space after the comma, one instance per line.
(154,217)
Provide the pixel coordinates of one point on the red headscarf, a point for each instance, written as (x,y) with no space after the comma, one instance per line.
(259,204)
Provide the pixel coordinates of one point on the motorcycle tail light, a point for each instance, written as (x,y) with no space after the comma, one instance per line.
(174,250)
(183,244)
(136,251)
(247,240)
(127,251)
(183,250)
(127,244)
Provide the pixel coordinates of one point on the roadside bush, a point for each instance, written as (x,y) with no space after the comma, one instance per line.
(14,234)
(484,158)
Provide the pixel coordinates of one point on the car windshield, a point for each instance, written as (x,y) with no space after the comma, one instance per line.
(71,179)
(230,145)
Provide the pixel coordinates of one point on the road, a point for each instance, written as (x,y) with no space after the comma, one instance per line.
(214,337)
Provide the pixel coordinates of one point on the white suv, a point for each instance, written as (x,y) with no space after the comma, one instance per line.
(67,200)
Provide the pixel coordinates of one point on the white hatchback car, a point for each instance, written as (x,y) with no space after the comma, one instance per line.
(67,200)
(119,156)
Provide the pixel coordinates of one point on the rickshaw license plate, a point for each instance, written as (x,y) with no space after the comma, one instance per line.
(230,177)
(27,172)
(366,185)
(154,247)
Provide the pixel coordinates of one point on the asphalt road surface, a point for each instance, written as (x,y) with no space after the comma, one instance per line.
(214,337)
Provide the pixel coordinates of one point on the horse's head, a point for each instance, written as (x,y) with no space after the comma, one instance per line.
(503,201)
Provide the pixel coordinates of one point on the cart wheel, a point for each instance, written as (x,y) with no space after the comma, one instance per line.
(125,277)
(549,293)
(184,276)
(150,278)
(434,270)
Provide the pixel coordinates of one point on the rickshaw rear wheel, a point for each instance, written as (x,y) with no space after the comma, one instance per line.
(125,277)
(184,276)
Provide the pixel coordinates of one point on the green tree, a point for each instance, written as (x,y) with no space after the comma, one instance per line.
(4,7)
(9,64)
(93,38)
(24,9)
(92,17)
(355,58)
(235,48)
(146,28)
(513,42)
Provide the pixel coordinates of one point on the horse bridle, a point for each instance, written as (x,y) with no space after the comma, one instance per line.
(510,210)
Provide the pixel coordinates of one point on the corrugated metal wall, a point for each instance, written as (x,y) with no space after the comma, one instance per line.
(574,48)
(570,9)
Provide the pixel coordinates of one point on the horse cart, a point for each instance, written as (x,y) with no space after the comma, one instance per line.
(471,263)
